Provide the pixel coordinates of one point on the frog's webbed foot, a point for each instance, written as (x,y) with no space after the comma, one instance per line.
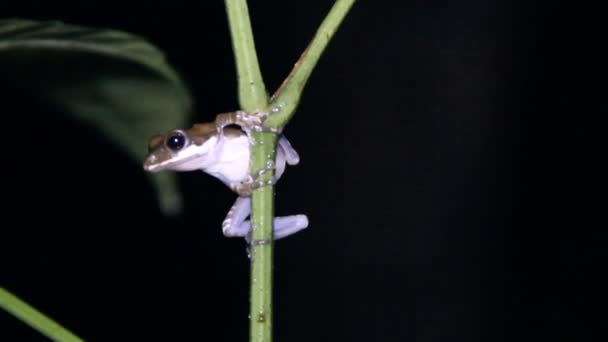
(247,121)
(236,224)
(252,182)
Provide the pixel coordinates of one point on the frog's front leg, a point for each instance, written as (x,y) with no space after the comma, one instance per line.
(252,182)
(285,154)
(236,224)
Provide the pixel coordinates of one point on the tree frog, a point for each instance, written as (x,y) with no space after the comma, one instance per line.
(223,152)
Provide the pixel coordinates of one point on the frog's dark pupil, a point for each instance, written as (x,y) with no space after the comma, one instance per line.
(176,142)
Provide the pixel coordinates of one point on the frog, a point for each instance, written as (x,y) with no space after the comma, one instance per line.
(222,149)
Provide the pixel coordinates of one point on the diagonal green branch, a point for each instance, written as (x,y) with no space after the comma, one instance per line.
(35,318)
(287,97)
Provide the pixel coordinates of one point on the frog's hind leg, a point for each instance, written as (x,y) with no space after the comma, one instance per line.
(236,225)
(233,225)
(288,225)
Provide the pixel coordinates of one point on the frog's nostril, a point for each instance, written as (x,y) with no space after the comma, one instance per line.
(149,163)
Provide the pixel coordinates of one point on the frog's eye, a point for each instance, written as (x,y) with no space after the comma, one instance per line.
(176,141)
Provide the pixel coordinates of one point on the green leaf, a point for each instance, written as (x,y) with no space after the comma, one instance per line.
(115,81)
(35,318)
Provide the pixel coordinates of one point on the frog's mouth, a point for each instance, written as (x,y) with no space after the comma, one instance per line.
(156,164)
(152,163)
(192,157)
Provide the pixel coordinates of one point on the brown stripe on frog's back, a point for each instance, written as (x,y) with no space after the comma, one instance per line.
(204,130)
(199,133)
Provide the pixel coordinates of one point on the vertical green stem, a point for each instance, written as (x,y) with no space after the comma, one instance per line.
(262,243)
(252,92)
(35,318)
(253,98)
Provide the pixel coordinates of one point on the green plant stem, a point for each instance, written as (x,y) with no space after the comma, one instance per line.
(261,253)
(35,318)
(252,92)
(287,97)
(253,99)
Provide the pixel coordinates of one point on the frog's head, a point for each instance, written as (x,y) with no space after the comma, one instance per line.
(182,150)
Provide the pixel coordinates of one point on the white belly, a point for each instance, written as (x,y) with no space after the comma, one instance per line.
(232,165)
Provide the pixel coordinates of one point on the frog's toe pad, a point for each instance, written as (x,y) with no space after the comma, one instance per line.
(288,225)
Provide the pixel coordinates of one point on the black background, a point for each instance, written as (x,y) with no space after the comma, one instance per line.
(451,171)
